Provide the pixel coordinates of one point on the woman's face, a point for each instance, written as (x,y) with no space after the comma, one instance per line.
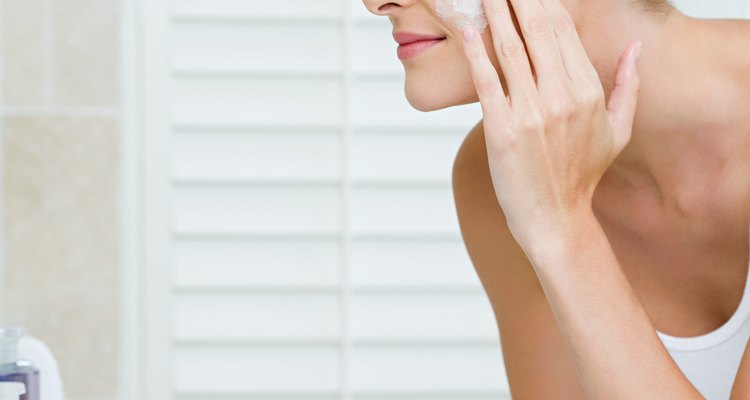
(439,76)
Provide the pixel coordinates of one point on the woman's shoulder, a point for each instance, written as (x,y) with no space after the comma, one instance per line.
(468,155)
(530,338)
(730,39)
(491,247)
(479,214)
(471,180)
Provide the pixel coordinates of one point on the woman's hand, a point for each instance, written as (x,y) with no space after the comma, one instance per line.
(549,141)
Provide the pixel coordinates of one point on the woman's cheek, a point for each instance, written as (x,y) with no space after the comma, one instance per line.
(461,13)
(443,85)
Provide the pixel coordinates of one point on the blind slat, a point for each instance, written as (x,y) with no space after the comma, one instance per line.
(275,179)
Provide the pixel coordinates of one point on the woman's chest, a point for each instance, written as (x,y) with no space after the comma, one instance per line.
(688,285)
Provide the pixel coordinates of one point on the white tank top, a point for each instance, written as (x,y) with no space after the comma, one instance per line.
(710,361)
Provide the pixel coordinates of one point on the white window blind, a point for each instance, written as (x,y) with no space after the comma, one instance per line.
(312,242)
(301,239)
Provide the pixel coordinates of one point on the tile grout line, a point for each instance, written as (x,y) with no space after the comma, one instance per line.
(129,387)
(49,70)
(52,111)
(3,258)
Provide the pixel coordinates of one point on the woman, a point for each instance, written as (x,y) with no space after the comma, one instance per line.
(604,203)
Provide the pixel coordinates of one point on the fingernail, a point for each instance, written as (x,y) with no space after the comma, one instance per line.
(468,33)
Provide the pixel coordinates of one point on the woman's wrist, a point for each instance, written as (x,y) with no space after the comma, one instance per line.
(548,244)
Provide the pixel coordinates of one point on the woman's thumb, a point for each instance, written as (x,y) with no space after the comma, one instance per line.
(623,100)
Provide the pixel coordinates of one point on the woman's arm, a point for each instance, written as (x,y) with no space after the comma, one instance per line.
(549,142)
(615,347)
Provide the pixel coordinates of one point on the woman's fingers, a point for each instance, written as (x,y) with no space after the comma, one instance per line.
(495,107)
(541,43)
(623,100)
(510,52)
(574,56)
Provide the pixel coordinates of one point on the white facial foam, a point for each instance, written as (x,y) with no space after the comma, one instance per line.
(462,13)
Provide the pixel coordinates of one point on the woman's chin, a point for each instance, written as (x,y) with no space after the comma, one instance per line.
(422,99)
(425,102)
(421,103)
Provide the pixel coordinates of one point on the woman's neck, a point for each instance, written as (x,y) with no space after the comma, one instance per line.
(690,128)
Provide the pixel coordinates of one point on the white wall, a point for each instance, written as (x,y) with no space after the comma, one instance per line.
(715,9)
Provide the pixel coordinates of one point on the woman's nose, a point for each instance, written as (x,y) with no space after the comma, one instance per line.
(383,7)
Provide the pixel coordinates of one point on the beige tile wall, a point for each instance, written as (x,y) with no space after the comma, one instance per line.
(60,132)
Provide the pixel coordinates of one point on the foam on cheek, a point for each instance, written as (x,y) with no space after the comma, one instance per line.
(462,13)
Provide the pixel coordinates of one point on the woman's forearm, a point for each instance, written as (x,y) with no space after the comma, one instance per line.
(616,350)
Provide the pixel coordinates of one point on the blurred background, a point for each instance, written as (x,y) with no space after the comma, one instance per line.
(232,199)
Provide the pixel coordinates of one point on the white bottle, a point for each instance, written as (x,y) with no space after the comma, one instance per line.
(11,390)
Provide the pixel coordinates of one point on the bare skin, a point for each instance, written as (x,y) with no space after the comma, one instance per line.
(688,285)
(680,233)
(675,204)
(675,207)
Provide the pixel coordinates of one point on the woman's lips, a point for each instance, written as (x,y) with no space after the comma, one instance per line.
(408,50)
